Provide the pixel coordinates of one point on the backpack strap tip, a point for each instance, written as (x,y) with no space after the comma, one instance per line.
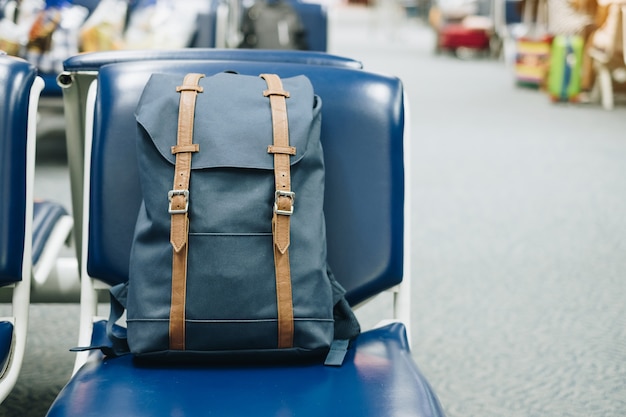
(337,352)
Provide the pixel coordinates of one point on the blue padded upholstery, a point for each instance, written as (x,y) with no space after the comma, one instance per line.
(364,164)
(46,214)
(6,339)
(52,89)
(16,76)
(93,61)
(378,379)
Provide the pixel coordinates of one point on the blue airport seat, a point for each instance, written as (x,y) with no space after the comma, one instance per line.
(363,137)
(31,233)
(81,70)
(21,89)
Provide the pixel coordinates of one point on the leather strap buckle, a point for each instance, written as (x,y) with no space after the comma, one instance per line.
(171,194)
(289,194)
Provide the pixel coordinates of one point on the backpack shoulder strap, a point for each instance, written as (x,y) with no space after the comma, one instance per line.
(179,204)
(283,206)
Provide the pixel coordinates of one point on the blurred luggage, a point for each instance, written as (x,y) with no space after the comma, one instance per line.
(532,60)
(272,24)
(565,68)
(463,27)
(456,36)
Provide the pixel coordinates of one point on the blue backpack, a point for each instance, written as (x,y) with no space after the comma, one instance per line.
(228,261)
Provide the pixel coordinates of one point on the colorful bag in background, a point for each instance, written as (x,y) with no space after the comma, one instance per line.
(532,61)
(564,78)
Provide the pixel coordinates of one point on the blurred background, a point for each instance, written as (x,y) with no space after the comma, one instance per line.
(515,163)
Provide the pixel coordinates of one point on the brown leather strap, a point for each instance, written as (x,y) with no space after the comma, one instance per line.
(179,205)
(283,206)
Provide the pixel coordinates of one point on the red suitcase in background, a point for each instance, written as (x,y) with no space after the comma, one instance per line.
(455,36)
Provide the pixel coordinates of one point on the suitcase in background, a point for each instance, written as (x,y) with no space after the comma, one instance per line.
(532,60)
(564,77)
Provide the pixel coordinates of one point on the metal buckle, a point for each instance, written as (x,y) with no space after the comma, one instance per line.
(171,194)
(289,194)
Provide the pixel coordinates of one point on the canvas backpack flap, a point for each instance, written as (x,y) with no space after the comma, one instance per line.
(231,307)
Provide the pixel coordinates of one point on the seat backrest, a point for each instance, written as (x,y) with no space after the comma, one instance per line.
(93,61)
(16,78)
(362,135)
(18,104)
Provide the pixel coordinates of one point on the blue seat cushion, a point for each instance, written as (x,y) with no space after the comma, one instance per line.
(46,214)
(379,378)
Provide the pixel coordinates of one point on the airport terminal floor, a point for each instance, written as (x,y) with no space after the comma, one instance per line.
(518,236)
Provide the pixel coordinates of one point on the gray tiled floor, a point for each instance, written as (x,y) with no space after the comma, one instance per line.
(519,224)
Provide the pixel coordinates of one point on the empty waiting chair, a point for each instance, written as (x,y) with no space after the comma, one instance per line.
(32,233)
(21,89)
